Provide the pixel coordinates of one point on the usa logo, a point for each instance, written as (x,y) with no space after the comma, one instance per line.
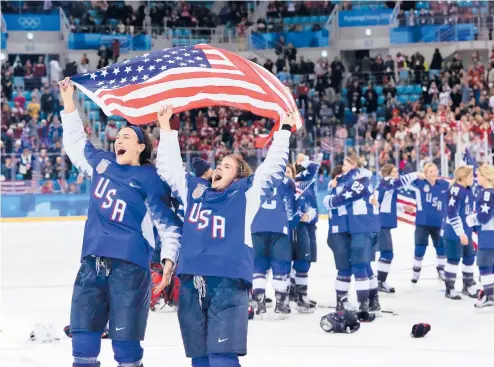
(102,166)
(199,190)
(426,188)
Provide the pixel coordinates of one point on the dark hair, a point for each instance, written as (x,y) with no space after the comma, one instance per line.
(145,157)
(338,170)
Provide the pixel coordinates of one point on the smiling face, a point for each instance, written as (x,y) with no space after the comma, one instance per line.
(127,147)
(431,173)
(224,174)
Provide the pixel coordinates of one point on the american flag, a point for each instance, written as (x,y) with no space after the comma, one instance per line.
(187,78)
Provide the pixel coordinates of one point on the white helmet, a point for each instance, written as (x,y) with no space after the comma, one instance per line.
(43,333)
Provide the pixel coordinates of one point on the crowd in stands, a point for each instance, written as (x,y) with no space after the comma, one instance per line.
(443,12)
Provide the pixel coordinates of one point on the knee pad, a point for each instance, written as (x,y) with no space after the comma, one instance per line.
(127,351)
(387,255)
(301,266)
(281,267)
(345,273)
(86,346)
(440,251)
(223,360)
(469,260)
(200,362)
(359,270)
(261,265)
(420,250)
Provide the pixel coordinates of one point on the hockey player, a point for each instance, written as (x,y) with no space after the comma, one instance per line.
(457,235)
(216,259)
(387,197)
(272,247)
(364,227)
(484,219)
(431,196)
(113,283)
(339,239)
(305,244)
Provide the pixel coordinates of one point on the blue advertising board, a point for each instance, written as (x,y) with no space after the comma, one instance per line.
(93,41)
(32,22)
(433,33)
(297,39)
(364,18)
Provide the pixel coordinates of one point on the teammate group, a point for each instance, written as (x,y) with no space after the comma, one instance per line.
(221,232)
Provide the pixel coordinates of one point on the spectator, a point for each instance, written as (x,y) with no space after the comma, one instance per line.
(25,165)
(47,102)
(7,168)
(437,61)
(39,69)
(111,131)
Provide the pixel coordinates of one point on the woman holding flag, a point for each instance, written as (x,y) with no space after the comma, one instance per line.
(216,259)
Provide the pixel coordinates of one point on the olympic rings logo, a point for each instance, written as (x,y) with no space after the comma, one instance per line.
(29,22)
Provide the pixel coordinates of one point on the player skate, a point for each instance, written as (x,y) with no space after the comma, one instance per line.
(374,306)
(452,294)
(343,304)
(415,278)
(385,288)
(470,290)
(304,305)
(260,303)
(282,309)
(440,274)
(484,301)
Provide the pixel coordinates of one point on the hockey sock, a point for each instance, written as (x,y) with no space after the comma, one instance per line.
(361,281)
(281,276)
(86,348)
(450,271)
(301,276)
(343,280)
(261,266)
(372,281)
(440,258)
(383,265)
(418,257)
(200,362)
(487,279)
(128,353)
(223,360)
(467,270)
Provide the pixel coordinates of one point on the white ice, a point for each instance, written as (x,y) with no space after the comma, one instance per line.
(39,262)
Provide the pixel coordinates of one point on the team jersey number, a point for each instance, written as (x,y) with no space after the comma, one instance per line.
(270,204)
(116,206)
(487,196)
(357,187)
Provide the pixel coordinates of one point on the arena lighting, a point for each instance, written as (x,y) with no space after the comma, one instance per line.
(368,32)
(324,53)
(3,56)
(30,36)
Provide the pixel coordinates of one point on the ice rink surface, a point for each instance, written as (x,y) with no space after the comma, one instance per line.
(39,262)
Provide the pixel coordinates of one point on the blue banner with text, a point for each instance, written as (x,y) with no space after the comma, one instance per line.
(297,39)
(32,22)
(364,18)
(93,41)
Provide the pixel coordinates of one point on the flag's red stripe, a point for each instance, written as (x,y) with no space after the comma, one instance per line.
(148,118)
(122,91)
(184,93)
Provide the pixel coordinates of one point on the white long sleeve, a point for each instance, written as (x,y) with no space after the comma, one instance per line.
(170,166)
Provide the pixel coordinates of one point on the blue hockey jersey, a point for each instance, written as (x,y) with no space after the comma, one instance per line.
(363,216)
(338,217)
(388,196)
(483,218)
(124,204)
(460,202)
(431,202)
(217,239)
(306,181)
(275,211)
